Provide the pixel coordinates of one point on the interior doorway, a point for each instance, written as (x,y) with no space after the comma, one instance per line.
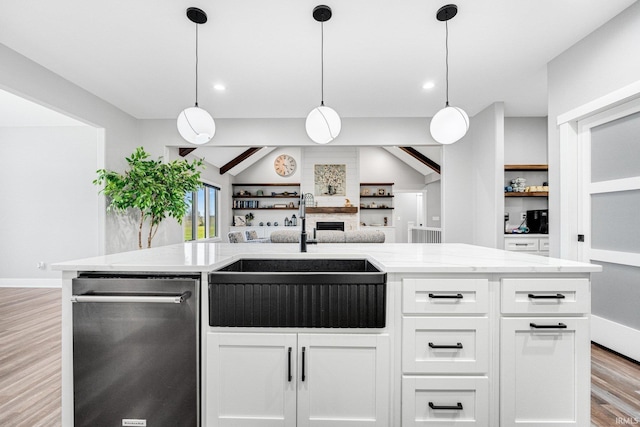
(409,208)
(53,211)
(608,206)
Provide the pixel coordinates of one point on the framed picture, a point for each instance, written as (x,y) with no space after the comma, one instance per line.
(239,221)
(330,180)
(381,192)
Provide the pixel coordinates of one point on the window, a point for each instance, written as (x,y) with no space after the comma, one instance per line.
(201,221)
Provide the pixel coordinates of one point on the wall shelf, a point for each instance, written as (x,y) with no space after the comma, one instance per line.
(266,209)
(527,194)
(332,210)
(526,167)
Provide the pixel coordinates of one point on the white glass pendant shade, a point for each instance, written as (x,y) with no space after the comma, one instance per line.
(323,124)
(196,125)
(449,125)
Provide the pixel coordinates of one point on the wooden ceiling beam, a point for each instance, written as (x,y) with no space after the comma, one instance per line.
(421,158)
(184,151)
(239,159)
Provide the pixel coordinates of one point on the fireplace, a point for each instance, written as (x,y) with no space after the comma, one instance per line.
(330,225)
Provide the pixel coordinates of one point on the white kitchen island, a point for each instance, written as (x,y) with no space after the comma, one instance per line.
(474,336)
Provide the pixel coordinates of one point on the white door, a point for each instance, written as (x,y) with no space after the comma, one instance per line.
(343,380)
(609,206)
(544,372)
(251,380)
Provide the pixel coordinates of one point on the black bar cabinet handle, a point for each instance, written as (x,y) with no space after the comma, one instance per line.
(303,376)
(456,296)
(458,345)
(289,371)
(558,326)
(556,296)
(458,407)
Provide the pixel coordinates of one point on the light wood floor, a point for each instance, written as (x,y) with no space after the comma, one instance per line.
(30,332)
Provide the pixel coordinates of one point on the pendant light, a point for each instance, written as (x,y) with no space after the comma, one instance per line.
(451,123)
(194,123)
(323,123)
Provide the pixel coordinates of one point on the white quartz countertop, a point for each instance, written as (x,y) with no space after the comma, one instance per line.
(391,257)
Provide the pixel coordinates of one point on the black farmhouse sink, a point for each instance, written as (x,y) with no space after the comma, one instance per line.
(309,293)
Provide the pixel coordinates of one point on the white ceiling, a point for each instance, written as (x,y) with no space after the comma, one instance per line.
(139,55)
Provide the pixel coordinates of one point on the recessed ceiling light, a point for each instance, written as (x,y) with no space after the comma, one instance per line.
(220,87)
(428,85)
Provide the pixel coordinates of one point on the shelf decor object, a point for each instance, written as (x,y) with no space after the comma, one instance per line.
(323,123)
(195,124)
(451,123)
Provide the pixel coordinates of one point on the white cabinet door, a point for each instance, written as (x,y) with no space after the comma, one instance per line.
(343,380)
(251,380)
(545,372)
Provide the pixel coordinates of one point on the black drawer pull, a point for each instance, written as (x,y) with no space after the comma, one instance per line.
(558,326)
(458,345)
(289,371)
(556,296)
(456,296)
(458,407)
(303,376)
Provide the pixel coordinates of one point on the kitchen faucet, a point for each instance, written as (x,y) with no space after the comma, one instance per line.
(303,234)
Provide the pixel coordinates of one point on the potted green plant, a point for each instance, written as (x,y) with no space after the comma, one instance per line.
(154,188)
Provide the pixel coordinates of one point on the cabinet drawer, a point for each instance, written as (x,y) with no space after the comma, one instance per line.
(455,296)
(544,244)
(445,345)
(445,401)
(521,244)
(545,296)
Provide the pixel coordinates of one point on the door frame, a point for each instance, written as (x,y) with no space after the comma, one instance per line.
(573,126)
(568,208)
(586,188)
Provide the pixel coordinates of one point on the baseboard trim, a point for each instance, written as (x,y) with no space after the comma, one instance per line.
(616,336)
(30,283)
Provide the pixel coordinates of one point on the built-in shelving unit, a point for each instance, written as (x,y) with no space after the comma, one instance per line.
(266,196)
(376,204)
(518,203)
(264,204)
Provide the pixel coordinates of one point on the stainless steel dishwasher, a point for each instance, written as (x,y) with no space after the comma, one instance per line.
(136,350)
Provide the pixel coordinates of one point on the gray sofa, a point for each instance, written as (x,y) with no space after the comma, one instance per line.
(330,236)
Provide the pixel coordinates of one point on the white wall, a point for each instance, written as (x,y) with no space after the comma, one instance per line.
(472,181)
(378,165)
(488,175)
(456,179)
(525,140)
(602,62)
(355,131)
(434,202)
(25,78)
(50,207)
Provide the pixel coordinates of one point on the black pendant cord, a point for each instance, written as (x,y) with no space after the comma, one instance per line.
(196,64)
(446,44)
(322,64)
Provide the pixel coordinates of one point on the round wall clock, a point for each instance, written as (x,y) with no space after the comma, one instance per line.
(284,165)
